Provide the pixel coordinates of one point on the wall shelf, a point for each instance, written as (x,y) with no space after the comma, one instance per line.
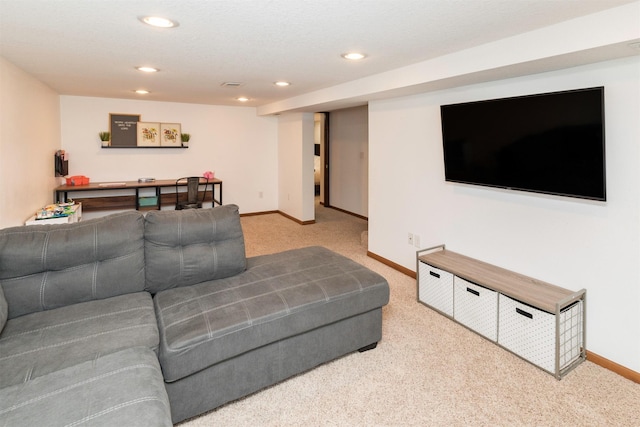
(162,147)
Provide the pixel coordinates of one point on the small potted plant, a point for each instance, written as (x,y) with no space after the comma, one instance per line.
(105,137)
(185,137)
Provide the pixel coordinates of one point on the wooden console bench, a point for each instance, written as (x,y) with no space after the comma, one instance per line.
(540,322)
(128,194)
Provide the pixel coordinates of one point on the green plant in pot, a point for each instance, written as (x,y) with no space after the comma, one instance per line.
(105,137)
(185,137)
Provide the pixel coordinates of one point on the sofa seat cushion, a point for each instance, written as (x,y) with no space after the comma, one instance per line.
(39,343)
(278,296)
(119,389)
(4,310)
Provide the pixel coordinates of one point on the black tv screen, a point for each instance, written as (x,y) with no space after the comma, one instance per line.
(550,143)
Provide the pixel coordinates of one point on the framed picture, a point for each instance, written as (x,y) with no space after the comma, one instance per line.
(170,135)
(148,134)
(123,129)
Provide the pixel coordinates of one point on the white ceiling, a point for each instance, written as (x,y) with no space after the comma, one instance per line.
(91,47)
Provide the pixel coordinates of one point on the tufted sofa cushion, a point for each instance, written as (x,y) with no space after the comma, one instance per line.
(186,247)
(49,266)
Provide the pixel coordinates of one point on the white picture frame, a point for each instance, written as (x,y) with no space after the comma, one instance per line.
(170,135)
(148,134)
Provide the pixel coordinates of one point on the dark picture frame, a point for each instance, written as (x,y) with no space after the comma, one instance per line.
(123,128)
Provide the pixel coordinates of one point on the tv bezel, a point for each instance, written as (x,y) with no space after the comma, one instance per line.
(532,190)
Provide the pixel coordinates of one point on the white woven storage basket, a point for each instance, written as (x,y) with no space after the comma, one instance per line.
(530,333)
(436,288)
(476,307)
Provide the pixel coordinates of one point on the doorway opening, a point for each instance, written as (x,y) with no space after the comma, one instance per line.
(321,158)
(341,168)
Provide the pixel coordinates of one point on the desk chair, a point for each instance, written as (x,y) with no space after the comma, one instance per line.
(193,184)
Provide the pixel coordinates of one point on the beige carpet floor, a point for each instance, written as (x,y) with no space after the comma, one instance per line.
(426,371)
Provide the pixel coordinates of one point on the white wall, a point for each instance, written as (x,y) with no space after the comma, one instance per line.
(295,165)
(568,242)
(232,141)
(29,138)
(349,160)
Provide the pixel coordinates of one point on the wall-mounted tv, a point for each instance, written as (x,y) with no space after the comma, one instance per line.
(550,143)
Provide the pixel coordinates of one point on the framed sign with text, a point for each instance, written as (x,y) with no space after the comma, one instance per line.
(123,129)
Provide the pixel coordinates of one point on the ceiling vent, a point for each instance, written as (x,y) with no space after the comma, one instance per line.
(232,84)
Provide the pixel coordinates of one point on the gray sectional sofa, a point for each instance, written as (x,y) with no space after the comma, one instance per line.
(148,320)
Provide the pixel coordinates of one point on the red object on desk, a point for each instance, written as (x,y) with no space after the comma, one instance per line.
(78,180)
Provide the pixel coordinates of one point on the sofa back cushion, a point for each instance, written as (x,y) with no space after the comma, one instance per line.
(186,247)
(50,266)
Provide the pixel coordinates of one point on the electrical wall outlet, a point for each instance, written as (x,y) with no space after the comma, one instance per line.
(410,239)
(416,240)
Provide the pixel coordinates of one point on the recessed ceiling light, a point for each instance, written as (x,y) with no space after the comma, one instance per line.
(242,99)
(282,83)
(157,21)
(147,69)
(142,92)
(353,56)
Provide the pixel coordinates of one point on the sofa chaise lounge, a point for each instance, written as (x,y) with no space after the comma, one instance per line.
(135,319)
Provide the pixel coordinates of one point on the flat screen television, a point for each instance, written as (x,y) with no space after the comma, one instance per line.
(551,143)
